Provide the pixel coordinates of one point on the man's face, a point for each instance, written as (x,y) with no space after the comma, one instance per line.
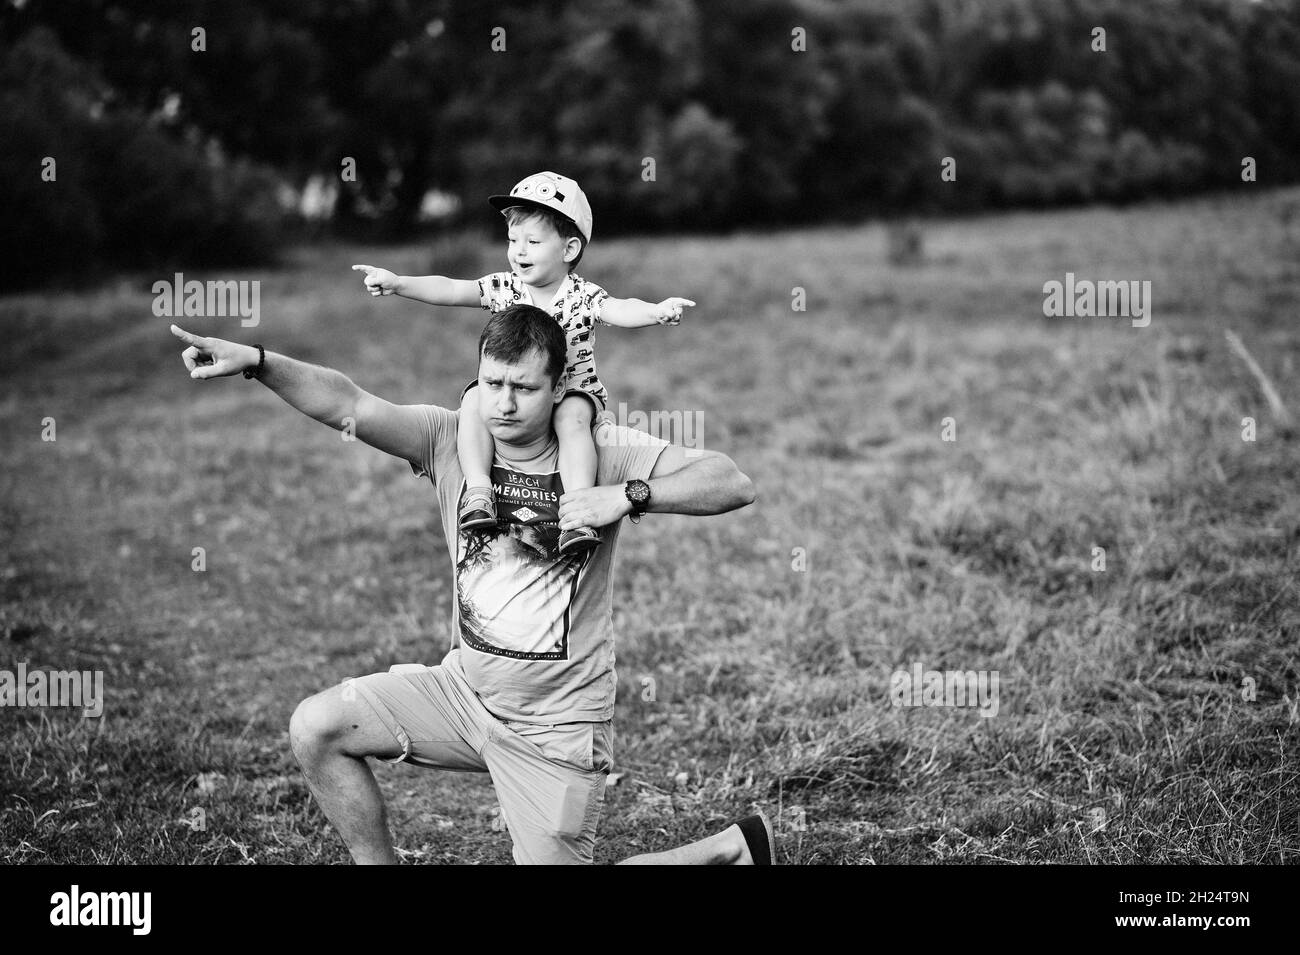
(516,401)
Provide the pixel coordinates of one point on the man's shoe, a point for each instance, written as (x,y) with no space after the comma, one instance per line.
(478,510)
(758,837)
(578,540)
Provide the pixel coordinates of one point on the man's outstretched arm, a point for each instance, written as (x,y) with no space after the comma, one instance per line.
(708,482)
(329,396)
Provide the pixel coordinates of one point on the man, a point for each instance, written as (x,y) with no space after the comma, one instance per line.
(527,695)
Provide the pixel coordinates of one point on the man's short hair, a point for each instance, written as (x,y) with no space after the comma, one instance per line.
(513,332)
(564,227)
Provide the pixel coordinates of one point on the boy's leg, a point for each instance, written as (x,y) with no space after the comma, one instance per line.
(573,417)
(474,446)
(572,422)
(332,733)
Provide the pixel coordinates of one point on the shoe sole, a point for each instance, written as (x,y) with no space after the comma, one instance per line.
(771,838)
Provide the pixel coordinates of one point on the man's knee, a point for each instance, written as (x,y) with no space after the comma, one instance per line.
(316,723)
(339,720)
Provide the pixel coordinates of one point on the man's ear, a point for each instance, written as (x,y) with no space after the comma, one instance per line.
(557,393)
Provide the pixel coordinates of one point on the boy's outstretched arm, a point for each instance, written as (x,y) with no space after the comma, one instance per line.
(634,313)
(431,289)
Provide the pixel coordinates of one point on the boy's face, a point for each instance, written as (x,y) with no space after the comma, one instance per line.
(536,252)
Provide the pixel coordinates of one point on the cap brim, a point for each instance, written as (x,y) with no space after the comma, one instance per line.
(502,203)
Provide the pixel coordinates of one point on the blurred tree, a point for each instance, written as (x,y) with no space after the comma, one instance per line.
(47,100)
(1272,97)
(776,98)
(881,142)
(125,192)
(750,110)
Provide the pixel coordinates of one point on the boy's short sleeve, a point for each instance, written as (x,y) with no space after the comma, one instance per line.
(499,290)
(438,428)
(595,297)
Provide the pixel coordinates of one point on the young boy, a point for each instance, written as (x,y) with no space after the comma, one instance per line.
(549,227)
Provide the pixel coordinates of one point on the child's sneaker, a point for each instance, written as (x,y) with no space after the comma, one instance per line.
(478,510)
(578,540)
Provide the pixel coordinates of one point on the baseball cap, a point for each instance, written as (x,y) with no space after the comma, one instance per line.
(550,190)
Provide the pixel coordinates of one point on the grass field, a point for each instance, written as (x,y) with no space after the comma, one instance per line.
(1123,733)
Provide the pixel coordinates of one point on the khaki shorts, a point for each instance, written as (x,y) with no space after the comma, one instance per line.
(549,780)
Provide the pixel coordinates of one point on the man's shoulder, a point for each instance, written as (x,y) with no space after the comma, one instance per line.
(612,438)
(442,424)
(621,450)
(446,422)
(440,416)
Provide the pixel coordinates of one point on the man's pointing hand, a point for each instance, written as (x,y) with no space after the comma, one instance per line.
(214,357)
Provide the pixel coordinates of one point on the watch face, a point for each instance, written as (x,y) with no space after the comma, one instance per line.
(638,492)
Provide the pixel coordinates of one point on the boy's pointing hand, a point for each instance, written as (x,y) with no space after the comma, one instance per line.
(669,311)
(378,281)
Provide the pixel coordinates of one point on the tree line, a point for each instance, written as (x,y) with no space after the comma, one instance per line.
(179,130)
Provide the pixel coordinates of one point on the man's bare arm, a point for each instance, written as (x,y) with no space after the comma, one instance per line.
(701,482)
(707,482)
(329,396)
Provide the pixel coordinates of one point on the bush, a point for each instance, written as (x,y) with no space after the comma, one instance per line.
(696,155)
(126,193)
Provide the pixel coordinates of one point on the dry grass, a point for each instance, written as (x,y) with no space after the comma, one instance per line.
(1121,691)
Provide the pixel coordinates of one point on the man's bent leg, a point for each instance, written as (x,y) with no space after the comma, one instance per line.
(550,782)
(332,733)
(727,847)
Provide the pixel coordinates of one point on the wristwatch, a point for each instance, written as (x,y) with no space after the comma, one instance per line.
(638,495)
